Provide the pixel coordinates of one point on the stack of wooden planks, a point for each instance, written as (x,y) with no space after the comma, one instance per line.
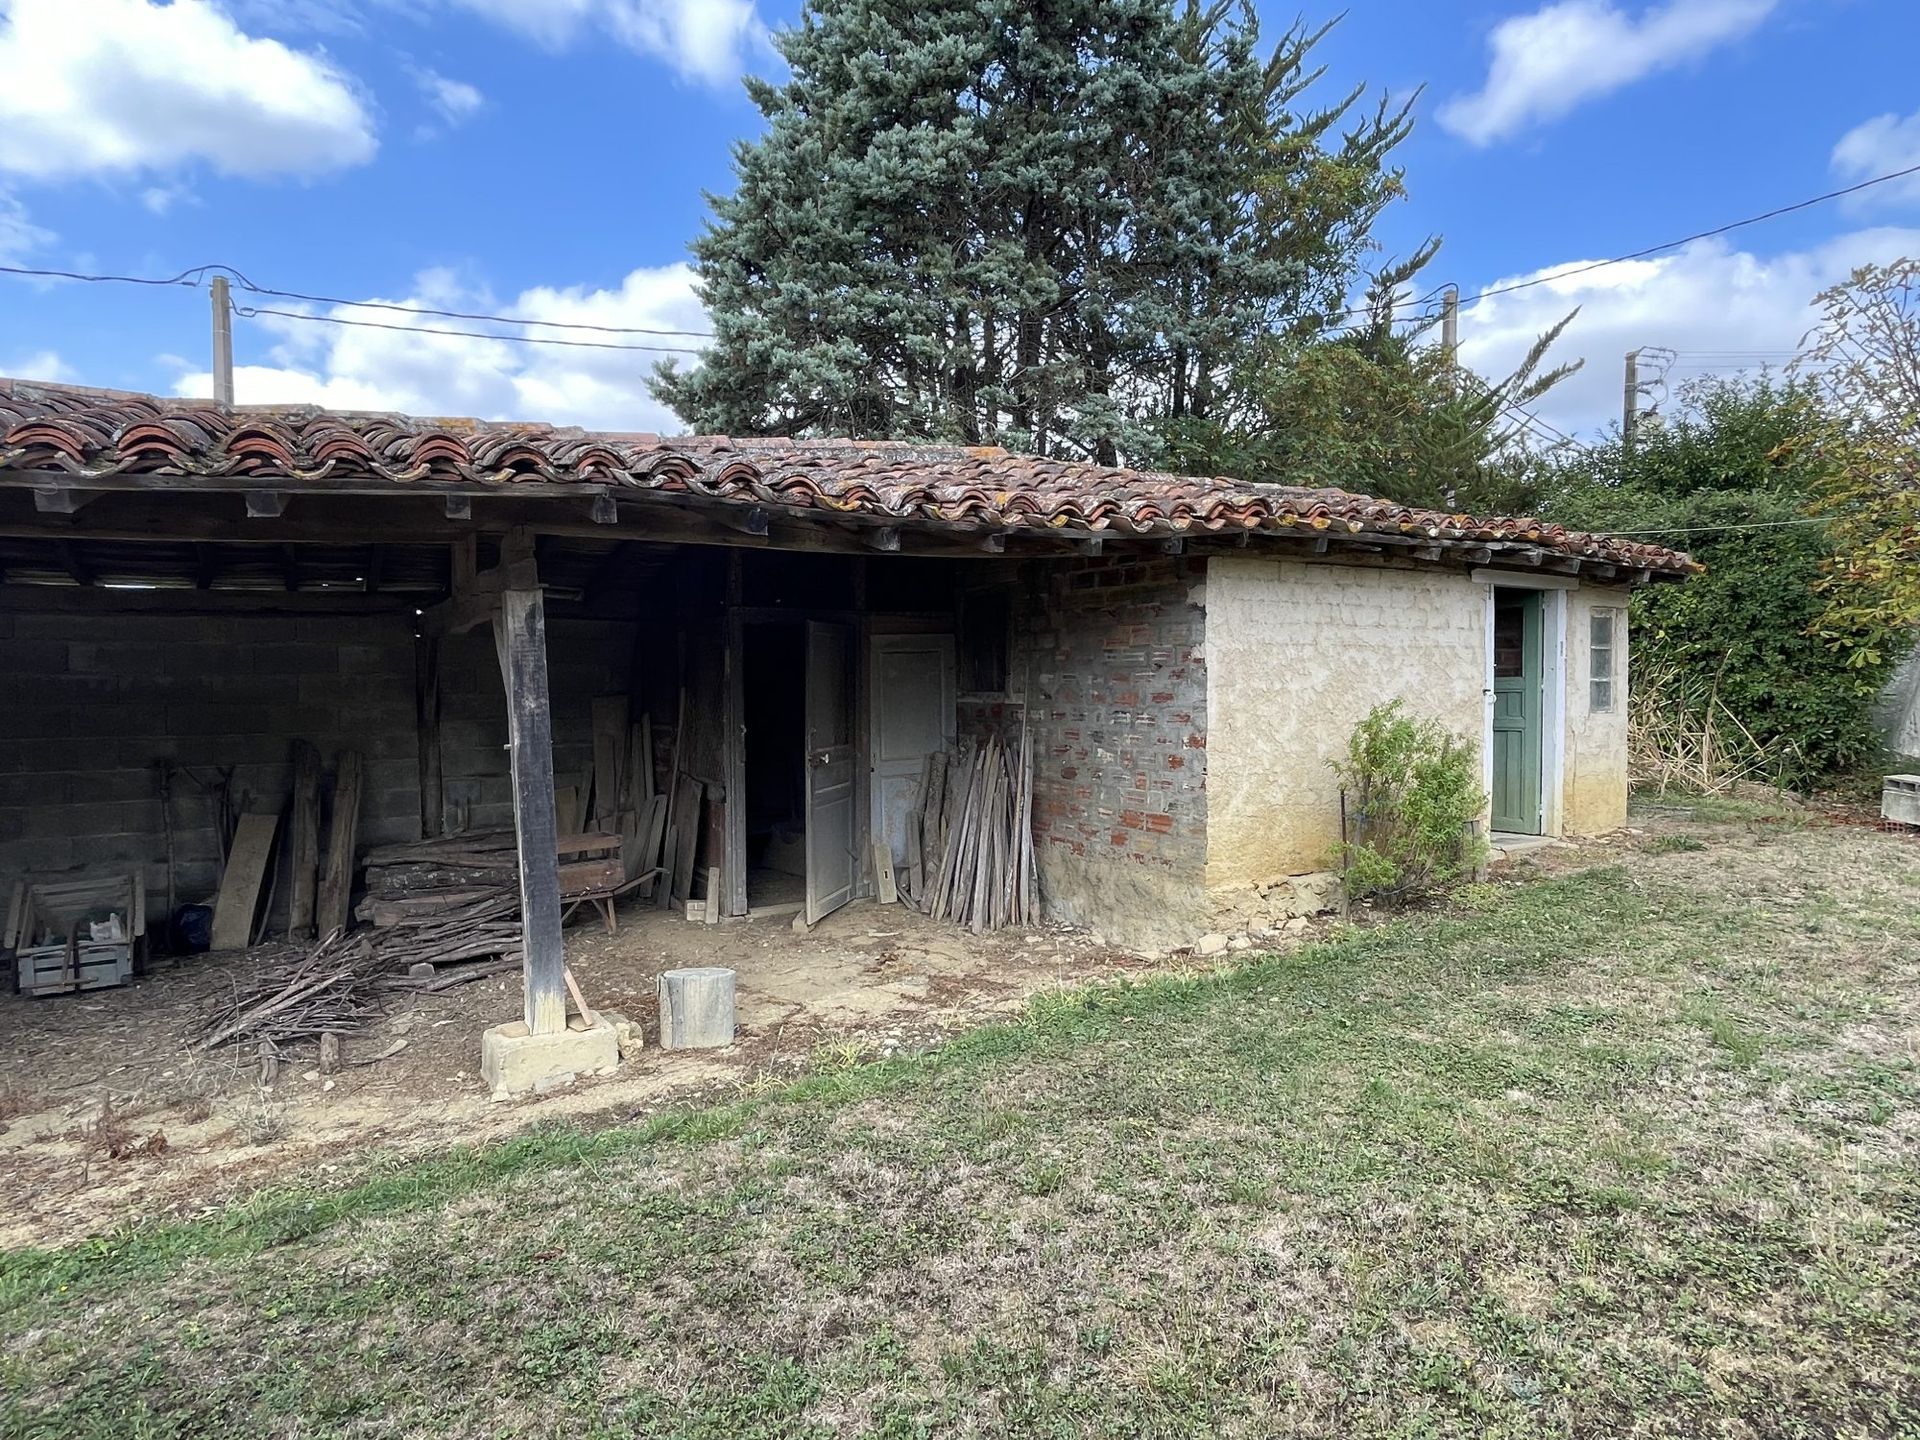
(970,838)
(619,797)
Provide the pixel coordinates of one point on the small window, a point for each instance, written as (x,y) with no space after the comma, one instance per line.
(986,636)
(1603,625)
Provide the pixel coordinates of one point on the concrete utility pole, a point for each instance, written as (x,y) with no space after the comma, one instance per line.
(1630,400)
(1450,324)
(222,342)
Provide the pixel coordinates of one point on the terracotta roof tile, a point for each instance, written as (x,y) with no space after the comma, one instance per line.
(92,433)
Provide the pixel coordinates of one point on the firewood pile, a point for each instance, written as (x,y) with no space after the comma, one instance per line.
(336,986)
(970,838)
(443,912)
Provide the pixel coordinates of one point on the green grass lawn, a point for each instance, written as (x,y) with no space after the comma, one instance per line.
(1625,1151)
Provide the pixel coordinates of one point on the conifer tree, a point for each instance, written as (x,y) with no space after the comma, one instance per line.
(1056,225)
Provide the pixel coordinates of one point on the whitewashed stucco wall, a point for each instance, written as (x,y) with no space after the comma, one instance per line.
(1594,789)
(1297,653)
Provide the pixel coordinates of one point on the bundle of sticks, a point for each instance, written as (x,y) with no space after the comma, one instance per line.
(970,838)
(330,988)
(335,986)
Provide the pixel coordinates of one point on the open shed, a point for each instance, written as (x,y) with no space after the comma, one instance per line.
(187,589)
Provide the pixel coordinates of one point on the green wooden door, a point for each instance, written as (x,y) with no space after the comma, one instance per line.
(1517,710)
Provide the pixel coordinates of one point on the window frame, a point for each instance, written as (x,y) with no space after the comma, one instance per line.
(1603,684)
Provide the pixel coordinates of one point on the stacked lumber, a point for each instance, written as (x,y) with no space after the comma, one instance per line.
(970,838)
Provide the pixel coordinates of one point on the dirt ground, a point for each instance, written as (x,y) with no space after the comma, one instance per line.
(109,1115)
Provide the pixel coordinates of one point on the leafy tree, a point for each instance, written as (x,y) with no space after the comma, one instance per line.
(1386,412)
(1052,226)
(1864,356)
(1735,479)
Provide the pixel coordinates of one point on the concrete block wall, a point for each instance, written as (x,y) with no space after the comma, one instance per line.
(94,701)
(585,658)
(1110,652)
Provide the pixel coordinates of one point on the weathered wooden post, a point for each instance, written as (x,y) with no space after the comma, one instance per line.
(540,1051)
(523,641)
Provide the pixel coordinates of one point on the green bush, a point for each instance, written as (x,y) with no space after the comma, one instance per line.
(1413,792)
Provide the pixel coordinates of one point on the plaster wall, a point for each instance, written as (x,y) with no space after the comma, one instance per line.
(1593,797)
(1297,652)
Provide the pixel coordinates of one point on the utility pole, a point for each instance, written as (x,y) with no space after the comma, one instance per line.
(1630,400)
(222,342)
(1450,324)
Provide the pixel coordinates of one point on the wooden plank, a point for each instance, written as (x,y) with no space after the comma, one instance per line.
(336,880)
(884,886)
(686,828)
(523,646)
(567,814)
(240,881)
(714,898)
(653,835)
(579,1000)
(586,877)
(426,700)
(610,726)
(669,857)
(303,841)
(641,786)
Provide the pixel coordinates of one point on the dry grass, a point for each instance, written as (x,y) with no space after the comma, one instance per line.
(1691,743)
(1625,1151)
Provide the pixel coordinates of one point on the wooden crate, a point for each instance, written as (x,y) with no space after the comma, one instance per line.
(62,969)
(48,934)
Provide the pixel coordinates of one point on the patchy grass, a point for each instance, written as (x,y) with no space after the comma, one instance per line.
(1631,1150)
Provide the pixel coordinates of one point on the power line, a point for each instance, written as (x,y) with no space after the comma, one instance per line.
(1773,214)
(249,312)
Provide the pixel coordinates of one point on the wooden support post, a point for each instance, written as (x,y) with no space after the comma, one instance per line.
(426,693)
(523,651)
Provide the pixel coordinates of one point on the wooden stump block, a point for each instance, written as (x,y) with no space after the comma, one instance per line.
(696,1008)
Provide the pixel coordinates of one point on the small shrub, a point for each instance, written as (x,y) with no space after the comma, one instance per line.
(1413,794)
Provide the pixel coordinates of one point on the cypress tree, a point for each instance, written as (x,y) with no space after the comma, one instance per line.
(1055,225)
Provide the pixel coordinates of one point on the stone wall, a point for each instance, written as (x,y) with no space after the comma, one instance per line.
(1109,655)
(94,701)
(1297,653)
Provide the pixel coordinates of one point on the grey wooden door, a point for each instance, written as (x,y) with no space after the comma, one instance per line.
(1518,710)
(830,768)
(913,717)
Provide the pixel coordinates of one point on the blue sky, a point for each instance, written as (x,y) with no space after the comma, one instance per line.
(546,158)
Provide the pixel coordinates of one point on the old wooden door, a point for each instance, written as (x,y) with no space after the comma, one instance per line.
(830,768)
(913,717)
(1518,708)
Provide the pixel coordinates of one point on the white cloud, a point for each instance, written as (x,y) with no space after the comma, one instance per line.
(1548,63)
(1881,146)
(40,365)
(706,40)
(1723,309)
(364,369)
(19,236)
(123,86)
(454,101)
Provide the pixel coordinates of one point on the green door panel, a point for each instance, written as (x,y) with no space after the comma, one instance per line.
(1518,709)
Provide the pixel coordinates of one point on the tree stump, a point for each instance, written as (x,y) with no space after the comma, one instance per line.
(696,1008)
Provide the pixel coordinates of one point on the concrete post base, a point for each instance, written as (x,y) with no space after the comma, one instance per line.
(514,1062)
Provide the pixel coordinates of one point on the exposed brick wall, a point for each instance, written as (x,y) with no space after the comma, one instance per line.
(94,701)
(1111,656)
